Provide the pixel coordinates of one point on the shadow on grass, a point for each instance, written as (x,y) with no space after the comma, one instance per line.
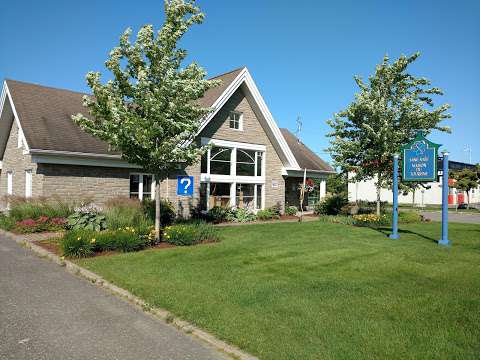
(387,231)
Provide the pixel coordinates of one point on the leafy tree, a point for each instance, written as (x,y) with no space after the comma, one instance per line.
(337,184)
(386,113)
(148,110)
(466,180)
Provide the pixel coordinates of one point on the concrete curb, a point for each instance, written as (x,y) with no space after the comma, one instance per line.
(158,313)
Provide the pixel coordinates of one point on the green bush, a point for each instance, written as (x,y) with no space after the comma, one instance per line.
(78,244)
(167,211)
(276,210)
(190,234)
(6,222)
(291,210)
(331,205)
(86,219)
(336,219)
(370,207)
(264,214)
(123,212)
(240,215)
(217,214)
(33,208)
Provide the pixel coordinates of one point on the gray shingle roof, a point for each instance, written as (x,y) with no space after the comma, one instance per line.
(305,157)
(45,115)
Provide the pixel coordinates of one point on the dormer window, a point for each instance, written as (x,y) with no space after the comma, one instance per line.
(236,120)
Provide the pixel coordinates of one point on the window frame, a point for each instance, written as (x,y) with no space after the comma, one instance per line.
(140,185)
(239,121)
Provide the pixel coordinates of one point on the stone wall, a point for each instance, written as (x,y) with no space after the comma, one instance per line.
(17,162)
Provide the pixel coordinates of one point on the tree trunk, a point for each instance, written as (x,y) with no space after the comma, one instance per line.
(157,210)
(468,199)
(378,198)
(413,199)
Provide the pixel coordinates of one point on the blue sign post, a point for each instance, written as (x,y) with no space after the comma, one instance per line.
(394,234)
(184,185)
(444,240)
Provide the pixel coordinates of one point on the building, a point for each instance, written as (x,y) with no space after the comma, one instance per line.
(431,194)
(252,164)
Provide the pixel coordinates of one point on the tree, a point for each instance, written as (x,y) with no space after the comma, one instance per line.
(337,184)
(148,110)
(386,113)
(466,180)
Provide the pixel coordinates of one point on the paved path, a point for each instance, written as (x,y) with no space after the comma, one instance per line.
(47,313)
(470,218)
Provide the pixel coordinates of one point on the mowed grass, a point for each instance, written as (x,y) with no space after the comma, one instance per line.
(320,291)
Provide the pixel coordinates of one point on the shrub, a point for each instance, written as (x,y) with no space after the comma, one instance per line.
(120,213)
(291,210)
(264,214)
(337,219)
(185,235)
(6,222)
(88,220)
(78,243)
(127,240)
(276,210)
(167,211)
(34,208)
(331,205)
(370,220)
(370,207)
(217,214)
(240,215)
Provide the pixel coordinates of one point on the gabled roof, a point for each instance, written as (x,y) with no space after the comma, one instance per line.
(305,157)
(44,115)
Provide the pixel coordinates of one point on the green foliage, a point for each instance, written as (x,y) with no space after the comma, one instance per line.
(34,208)
(291,210)
(386,113)
(265,214)
(87,219)
(370,220)
(466,180)
(241,215)
(336,219)
(331,205)
(190,234)
(337,184)
(77,244)
(217,214)
(167,211)
(6,222)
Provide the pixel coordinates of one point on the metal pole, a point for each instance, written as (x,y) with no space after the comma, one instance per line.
(394,234)
(444,240)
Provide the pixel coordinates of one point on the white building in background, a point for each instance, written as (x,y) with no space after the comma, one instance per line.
(432,195)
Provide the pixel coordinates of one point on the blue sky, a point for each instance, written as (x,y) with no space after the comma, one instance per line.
(302,54)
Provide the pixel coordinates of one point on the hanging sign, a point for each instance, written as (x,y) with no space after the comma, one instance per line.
(419,160)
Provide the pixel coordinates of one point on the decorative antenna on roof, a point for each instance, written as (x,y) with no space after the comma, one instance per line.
(299,128)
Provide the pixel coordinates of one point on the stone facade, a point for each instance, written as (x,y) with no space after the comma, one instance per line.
(98,184)
(16,162)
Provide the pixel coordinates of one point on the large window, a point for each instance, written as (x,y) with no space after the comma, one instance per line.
(141,186)
(248,162)
(215,194)
(220,159)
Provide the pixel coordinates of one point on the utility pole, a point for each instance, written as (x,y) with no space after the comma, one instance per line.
(468,149)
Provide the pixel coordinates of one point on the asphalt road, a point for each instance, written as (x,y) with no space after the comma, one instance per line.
(47,313)
(469,218)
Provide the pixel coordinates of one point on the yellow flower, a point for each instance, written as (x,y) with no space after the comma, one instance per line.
(62,258)
(79,238)
(93,241)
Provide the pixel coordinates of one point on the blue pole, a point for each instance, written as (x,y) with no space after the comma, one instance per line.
(444,240)
(394,234)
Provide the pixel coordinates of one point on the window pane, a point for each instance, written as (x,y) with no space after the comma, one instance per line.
(259,196)
(219,195)
(245,195)
(245,162)
(259,163)
(219,153)
(220,161)
(134,182)
(203,163)
(147,186)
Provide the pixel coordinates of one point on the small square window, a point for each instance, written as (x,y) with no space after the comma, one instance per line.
(236,119)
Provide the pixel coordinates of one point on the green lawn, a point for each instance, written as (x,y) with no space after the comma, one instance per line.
(320,291)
